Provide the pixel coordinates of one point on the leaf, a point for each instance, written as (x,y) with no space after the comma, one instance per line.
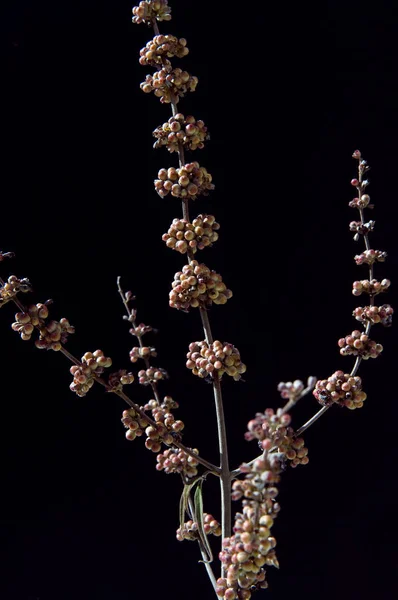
(198,507)
(184,501)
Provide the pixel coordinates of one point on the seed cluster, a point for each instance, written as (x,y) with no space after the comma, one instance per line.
(199,234)
(359,344)
(189,181)
(93,363)
(117,380)
(151,375)
(361,228)
(162,47)
(12,287)
(221,357)
(51,335)
(162,415)
(197,286)
(189,531)
(178,130)
(147,11)
(341,388)
(168,83)
(273,428)
(174,460)
(374,314)
(134,424)
(361,202)
(145,352)
(370,257)
(372,287)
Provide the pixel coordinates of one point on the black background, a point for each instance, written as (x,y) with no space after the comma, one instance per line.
(288,93)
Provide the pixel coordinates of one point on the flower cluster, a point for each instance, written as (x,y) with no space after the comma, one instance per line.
(219,357)
(374,314)
(359,344)
(199,234)
(162,47)
(12,287)
(372,287)
(189,531)
(174,460)
(189,181)
(117,380)
(341,388)
(251,547)
(151,375)
(197,286)
(162,414)
(370,257)
(147,11)
(143,352)
(134,424)
(140,330)
(274,427)
(92,364)
(361,228)
(168,84)
(178,130)
(51,335)
(361,202)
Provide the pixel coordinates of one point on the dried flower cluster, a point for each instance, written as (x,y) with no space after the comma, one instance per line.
(92,364)
(178,130)
(12,287)
(199,234)
(222,357)
(341,388)
(147,11)
(52,335)
(189,531)
(196,285)
(168,83)
(189,181)
(162,47)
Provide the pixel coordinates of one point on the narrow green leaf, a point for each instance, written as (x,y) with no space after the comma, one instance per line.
(198,507)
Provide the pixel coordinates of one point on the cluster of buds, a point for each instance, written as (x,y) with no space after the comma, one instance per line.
(144,352)
(12,287)
(372,287)
(341,388)
(156,434)
(189,531)
(93,364)
(52,335)
(4,255)
(374,314)
(219,357)
(169,84)
(134,424)
(361,228)
(151,375)
(369,257)
(189,181)
(272,431)
(162,47)
(140,330)
(196,285)
(199,234)
(174,460)
(162,414)
(361,202)
(117,380)
(359,344)
(147,11)
(178,130)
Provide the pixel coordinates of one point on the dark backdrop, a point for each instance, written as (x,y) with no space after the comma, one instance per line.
(288,93)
